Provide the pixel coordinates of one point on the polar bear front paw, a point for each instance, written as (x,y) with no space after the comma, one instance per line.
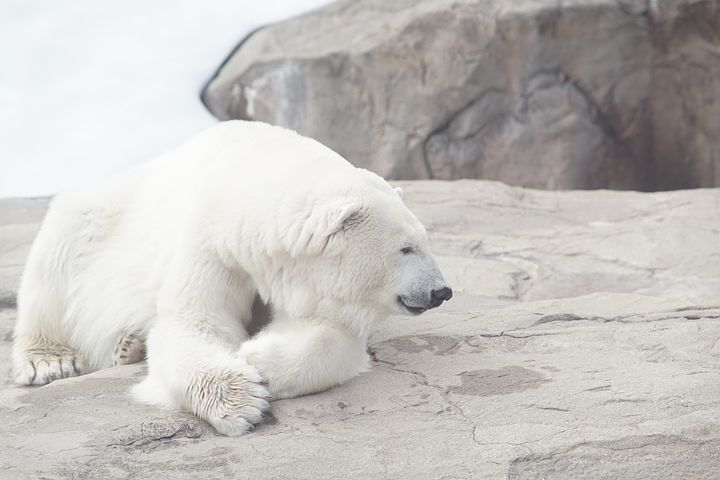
(232,400)
(42,364)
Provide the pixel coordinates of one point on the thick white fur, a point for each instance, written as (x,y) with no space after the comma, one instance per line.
(176,251)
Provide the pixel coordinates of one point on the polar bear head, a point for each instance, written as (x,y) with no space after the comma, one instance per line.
(364,247)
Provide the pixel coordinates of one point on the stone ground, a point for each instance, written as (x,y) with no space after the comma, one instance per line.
(583,342)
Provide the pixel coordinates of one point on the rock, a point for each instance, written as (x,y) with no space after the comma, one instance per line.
(582,343)
(538,93)
(19,221)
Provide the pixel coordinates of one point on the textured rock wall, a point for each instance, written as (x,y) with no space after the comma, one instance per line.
(581,94)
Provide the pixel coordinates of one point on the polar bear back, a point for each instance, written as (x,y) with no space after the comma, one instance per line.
(261,174)
(252,151)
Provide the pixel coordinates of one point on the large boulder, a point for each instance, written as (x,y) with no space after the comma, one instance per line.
(537,93)
(583,342)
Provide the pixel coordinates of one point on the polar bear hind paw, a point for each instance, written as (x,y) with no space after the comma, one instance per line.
(46,362)
(129,349)
(232,401)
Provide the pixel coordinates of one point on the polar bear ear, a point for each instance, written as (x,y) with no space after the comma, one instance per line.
(399,191)
(322,224)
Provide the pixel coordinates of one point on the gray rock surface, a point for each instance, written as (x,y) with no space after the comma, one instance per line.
(538,93)
(583,342)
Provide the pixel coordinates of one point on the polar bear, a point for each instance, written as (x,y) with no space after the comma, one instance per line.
(172,254)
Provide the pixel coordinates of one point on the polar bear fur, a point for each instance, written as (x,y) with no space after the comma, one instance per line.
(172,255)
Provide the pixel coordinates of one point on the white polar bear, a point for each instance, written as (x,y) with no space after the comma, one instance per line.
(176,250)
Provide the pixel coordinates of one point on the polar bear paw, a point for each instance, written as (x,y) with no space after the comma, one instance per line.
(129,349)
(45,362)
(232,400)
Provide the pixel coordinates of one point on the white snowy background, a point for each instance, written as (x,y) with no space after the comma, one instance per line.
(89,88)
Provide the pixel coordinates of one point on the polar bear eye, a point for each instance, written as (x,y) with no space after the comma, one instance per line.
(406,250)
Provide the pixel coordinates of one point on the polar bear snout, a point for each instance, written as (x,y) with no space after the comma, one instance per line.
(422,284)
(417,304)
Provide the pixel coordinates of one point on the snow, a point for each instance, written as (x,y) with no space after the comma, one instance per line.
(89,88)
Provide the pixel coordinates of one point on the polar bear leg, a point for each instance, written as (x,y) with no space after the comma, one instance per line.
(300,357)
(40,352)
(191,366)
(192,369)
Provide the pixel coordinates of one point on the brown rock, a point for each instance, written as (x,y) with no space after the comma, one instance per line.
(589,94)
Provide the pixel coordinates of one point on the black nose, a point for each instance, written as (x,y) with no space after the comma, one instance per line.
(439,296)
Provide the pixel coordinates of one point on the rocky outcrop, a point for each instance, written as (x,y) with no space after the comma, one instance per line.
(583,342)
(538,93)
